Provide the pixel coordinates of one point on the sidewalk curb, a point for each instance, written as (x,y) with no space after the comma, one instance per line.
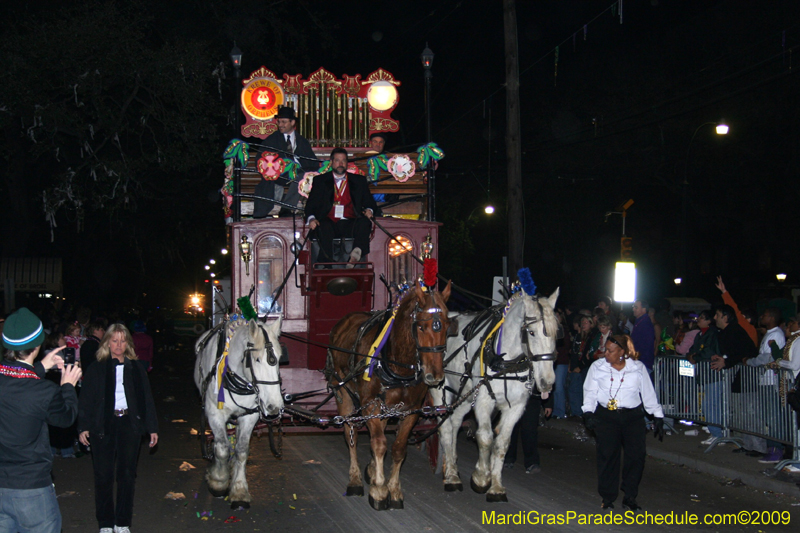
(760,482)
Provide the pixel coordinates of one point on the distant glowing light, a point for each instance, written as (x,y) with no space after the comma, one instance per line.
(212,261)
(722,129)
(781,277)
(489,209)
(213,275)
(625,282)
(677,281)
(224,251)
(207,267)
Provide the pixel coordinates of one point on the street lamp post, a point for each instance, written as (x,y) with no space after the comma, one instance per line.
(427,63)
(721,129)
(236,59)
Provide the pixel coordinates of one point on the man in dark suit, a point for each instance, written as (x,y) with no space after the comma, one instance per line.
(341,205)
(288,141)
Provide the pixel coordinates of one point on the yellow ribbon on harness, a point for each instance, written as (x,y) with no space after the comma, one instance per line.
(378,341)
(489,336)
(221,369)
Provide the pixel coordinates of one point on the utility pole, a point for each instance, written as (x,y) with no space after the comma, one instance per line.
(516,220)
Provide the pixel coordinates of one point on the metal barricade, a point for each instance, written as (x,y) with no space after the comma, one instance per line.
(759,406)
(744,399)
(693,392)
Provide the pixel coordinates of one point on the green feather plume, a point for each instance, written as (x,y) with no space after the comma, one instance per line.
(247,308)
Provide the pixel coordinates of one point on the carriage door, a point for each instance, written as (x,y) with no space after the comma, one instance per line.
(270,274)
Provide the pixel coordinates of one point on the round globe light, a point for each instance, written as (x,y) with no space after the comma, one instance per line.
(382,95)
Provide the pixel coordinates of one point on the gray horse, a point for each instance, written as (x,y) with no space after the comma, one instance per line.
(251,389)
(529,332)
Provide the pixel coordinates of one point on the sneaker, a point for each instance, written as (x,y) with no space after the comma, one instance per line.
(106,530)
(122,529)
(533,469)
(774,455)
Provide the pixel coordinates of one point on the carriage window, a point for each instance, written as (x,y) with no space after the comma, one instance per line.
(270,273)
(401,264)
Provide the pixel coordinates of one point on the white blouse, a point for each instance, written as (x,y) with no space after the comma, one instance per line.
(630,387)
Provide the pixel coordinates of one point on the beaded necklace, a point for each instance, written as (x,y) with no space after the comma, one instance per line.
(612,402)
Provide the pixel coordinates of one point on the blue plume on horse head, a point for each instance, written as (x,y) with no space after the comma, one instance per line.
(526,280)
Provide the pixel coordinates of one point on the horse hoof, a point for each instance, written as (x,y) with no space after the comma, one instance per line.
(453,487)
(494,498)
(366,475)
(243,505)
(396,504)
(477,488)
(356,490)
(218,493)
(380,505)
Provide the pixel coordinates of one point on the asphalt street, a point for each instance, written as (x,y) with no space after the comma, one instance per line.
(304,490)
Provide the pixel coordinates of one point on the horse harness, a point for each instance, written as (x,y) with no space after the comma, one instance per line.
(389,378)
(520,368)
(236,384)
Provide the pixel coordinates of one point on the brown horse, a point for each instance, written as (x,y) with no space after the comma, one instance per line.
(410,362)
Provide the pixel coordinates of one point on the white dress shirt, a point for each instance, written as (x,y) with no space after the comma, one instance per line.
(120,402)
(631,387)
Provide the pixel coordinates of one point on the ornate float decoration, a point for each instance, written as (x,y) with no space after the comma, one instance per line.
(330,111)
(401,167)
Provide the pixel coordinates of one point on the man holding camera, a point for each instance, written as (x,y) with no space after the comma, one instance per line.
(27,495)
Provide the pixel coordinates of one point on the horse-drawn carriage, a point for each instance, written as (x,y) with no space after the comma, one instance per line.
(363,345)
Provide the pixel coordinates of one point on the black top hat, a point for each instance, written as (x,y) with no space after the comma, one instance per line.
(380,134)
(286,112)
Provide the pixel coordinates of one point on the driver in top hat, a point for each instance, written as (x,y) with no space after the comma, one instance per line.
(289,142)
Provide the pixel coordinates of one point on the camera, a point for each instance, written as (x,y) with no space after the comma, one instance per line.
(68,354)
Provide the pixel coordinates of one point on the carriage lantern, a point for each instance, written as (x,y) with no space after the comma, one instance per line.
(244,249)
(426,248)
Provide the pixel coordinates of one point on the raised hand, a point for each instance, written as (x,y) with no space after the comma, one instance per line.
(720,285)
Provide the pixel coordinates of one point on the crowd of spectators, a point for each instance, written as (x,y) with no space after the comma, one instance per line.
(720,337)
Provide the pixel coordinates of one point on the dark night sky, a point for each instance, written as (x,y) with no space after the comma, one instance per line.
(616,125)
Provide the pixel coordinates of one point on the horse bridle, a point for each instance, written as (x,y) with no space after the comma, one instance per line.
(525,331)
(238,385)
(436,326)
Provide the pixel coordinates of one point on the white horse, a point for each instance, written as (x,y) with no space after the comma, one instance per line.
(251,388)
(527,345)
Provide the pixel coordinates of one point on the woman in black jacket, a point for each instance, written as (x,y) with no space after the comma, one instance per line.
(116,410)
